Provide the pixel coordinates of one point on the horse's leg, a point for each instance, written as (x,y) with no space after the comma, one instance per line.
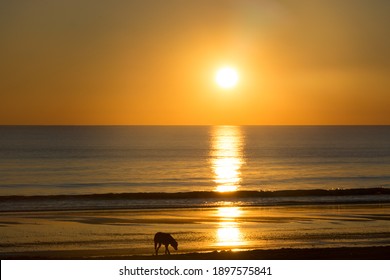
(167,250)
(157,248)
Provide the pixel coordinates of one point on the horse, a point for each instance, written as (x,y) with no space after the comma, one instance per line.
(166,239)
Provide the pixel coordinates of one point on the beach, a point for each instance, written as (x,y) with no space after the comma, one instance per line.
(342,253)
(282,232)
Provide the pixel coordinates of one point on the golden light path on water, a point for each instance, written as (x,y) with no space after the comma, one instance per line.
(229,233)
(227,157)
(226,161)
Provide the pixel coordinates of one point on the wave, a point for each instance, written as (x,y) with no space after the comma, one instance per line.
(196,199)
(209,194)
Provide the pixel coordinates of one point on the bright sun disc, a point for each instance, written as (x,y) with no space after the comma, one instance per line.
(226,77)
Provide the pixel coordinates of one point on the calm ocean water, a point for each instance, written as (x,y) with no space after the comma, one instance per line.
(88,160)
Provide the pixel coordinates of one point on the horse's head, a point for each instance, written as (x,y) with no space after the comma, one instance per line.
(174,244)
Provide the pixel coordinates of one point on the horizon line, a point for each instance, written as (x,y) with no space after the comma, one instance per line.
(9,125)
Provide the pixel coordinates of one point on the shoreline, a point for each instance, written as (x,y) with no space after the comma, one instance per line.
(337,253)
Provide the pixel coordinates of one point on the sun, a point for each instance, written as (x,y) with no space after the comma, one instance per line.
(226,77)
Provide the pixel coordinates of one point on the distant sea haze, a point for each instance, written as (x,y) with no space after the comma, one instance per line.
(80,160)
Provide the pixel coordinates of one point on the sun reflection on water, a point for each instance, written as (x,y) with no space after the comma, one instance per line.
(228,235)
(228,232)
(229,213)
(227,157)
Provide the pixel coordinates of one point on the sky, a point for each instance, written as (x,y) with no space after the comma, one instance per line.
(144,62)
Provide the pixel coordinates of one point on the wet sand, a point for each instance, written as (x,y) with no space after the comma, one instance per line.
(299,232)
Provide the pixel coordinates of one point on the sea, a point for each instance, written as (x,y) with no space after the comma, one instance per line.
(157,167)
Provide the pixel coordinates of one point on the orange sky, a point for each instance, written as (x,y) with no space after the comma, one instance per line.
(153,62)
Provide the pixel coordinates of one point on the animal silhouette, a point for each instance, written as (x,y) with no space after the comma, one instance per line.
(166,239)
